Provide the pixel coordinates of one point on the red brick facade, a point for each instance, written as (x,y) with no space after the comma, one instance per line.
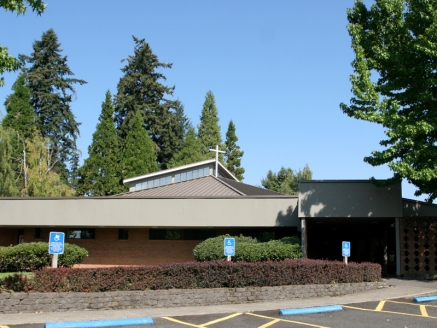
(106,249)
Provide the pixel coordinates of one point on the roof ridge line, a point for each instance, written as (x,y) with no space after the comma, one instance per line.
(229,186)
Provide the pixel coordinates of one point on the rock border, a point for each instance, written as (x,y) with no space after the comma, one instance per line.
(61,302)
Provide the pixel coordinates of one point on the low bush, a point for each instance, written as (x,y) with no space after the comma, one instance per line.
(34,256)
(249,249)
(214,274)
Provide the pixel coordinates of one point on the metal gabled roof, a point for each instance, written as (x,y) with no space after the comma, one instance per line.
(207,186)
(250,190)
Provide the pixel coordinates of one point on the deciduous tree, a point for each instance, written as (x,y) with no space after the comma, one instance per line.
(7,173)
(394,84)
(9,63)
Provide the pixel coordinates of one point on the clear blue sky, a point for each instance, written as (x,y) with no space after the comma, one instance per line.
(279,69)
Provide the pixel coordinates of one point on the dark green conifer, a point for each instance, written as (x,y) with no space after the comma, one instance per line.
(7,175)
(233,153)
(141,90)
(138,156)
(209,130)
(100,174)
(191,151)
(51,89)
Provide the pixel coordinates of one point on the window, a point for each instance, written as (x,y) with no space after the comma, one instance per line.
(162,181)
(123,234)
(199,234)
(165,234)
(81,233)
(189,175)
(156,183)
(177,178)
(195,174)
(168,180)
(184,176)
(206,171)
(144,185)
(138,186)
(150,184)
(39,233)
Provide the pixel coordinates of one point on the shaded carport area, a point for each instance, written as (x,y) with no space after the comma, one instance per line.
(372,240)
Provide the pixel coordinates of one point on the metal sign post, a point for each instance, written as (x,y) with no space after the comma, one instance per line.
(56,246)
(229,248)
(346,250)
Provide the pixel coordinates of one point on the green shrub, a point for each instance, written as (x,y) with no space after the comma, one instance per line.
(249,249)
(35,256)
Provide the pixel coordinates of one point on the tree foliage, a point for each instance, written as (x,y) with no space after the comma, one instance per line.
(286,181)
(100,174)
(138,155)
(190,152)
(394,84)
(233,153)
(9,63)
(141,90)
(209,129)
(51,90)
(7,174)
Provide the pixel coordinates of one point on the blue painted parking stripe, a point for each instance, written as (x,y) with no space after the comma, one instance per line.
(425,299)
(100,323)
(317,309)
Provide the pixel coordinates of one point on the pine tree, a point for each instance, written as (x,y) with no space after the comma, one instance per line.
(138,156)
(51,94)
(7,174)
(286,181)
(191,151)
(19,112)
(209,130)
(100,174)
(21,119)
(184,124)
(233,153)
(141,90)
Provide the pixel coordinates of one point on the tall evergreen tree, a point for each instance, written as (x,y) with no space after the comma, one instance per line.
(51,90)
(286,181)
(191,151)
(184,123)
(100,174)
(209,130)
(141,90)
(7,174)
(19,112)
(233,153)
(138,156)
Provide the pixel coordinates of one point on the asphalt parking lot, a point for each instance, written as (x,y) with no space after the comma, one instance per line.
(386,313)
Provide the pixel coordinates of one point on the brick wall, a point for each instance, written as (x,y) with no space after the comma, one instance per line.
(107,250)
(8,237)
(418,244)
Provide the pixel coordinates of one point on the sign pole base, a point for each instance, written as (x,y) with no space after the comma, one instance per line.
(345,260)
(228,258)
(55,261)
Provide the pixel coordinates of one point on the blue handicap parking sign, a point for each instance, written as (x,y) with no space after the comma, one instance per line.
(346,248)
(229,246)
(56,242)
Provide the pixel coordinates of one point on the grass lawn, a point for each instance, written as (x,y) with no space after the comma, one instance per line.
(5,274)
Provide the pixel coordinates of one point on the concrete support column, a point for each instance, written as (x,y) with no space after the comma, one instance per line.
(398,247)
(303,231)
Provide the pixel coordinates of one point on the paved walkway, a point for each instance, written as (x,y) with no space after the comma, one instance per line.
(400,288)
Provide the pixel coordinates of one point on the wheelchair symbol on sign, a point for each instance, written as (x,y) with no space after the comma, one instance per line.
(57,237)
(229,243)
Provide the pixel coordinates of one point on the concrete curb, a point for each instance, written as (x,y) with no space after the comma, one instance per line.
(425,299)
(317,309)
(100,323)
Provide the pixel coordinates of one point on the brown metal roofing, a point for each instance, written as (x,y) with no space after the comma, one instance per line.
(207,186)
(250,190)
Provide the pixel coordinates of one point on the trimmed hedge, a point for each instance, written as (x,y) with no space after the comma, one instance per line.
(35,256)
(214,274)
(249,249)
